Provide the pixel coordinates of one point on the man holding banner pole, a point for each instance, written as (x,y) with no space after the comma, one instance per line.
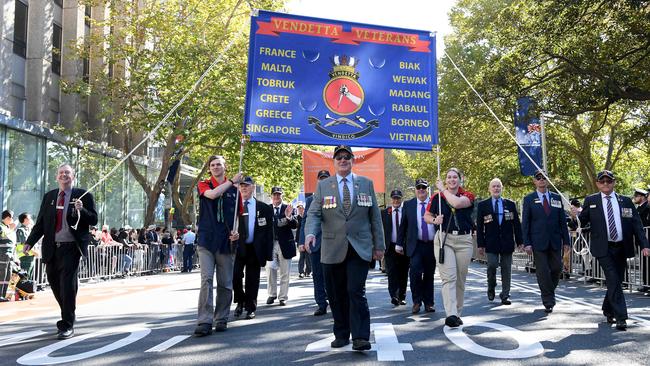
(345,210)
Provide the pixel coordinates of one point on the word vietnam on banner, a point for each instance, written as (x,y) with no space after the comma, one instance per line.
(368,162)
(328,82)
(529,135)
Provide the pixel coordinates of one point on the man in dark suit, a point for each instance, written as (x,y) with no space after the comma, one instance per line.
(320,296)
(640,199)
(498,229)
(284,248)
(544,232)
(254,249)
(63,222)
(615,223)
(397,264)
(415,238)
(345,210)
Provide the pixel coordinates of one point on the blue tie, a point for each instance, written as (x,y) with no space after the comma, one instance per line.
(496,210)
(423,224)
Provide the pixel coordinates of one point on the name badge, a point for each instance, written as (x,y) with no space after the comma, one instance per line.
(508,216)
(455,232)
(626,212)
(556,203)
(487,219)
(261,221)
(592,206)
(329,202)
(364,200)
(537,201)
(59,207)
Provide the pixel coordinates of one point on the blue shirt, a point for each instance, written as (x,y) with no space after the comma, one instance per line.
(350,183)
(541,197)
(500,208)
(251,219)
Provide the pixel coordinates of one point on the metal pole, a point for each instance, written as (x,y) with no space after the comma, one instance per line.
(241,162)
(439,193)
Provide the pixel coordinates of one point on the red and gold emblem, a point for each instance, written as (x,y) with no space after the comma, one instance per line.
(343,94)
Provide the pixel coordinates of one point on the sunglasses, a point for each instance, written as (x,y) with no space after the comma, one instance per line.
(540,177)
(420,187)
(605,181)
(342,156)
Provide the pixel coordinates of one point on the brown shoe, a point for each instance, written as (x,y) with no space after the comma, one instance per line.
(415,309)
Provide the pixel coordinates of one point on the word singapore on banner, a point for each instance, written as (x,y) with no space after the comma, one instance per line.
(326,82)
(368,162)
(529,135)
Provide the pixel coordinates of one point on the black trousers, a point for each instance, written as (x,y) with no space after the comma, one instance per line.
(188,253)
(62,274)
(247,295)
(345,284)
(397,269)
(548,268)
(614,265)
(423,266)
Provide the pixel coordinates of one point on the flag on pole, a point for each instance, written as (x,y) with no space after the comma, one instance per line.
(529,135)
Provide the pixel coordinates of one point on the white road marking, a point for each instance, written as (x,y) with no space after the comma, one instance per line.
(527,346)
(18,337)
(168,343)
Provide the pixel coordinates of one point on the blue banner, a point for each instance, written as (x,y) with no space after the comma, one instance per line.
(529,135)
(327,82)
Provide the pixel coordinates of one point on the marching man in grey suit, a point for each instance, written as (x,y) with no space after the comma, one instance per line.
(345,210)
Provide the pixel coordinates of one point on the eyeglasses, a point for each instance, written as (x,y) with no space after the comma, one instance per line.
(420,187)
(540,177)
(605,181)
(346,157)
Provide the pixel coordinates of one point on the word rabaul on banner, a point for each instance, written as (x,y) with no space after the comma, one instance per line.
(327,82)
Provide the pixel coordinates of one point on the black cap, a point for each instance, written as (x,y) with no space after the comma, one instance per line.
(277,189)
(421,182)
(539,172)
(342,148)
(323,174)
(247,180)
(396,193)
(605,174)
(640,192)
(575,202)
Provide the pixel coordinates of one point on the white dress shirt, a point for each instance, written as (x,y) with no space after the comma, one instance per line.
(393,235)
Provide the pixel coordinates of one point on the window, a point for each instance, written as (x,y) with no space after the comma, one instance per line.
(20,29)
(56,49)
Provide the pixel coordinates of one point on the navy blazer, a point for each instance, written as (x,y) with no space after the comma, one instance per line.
(282,227)
(301,238)
(408,229)
(494,237)
(46,222)
(387,222)
(593,212)
(541,231)
(262,233)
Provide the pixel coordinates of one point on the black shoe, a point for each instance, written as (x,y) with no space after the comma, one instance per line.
(453,321)
(239,310)
(203,330)
(610,319)
(506,302)
(415,309)
(282,303)
(221,327)
(270,300)
(548,309)
(460,321)
(339,342)
(320,311)
(429,309)
(621,324)
(301,276)
(65,334)
(490,295)
(394,301)
(402,302)
(3,299)
(250,315)
(360,344)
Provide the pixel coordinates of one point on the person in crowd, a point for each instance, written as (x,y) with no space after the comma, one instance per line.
(63,222)
(167,242)
(7,247)
(545,231)
(640,198)
(498,232)
(345,210)
(304,262)
(188,249)
(397,264)
(415,239)
(284,248)
(255,247)
(106,237)
(615,224)
(320,296)
(22,232)
(216,238)
(451,209)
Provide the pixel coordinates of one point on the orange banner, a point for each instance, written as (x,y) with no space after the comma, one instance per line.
(369,163)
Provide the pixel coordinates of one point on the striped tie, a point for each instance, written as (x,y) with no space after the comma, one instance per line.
(347,203)
(613,234)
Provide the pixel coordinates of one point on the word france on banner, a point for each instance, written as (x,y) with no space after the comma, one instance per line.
(328,82)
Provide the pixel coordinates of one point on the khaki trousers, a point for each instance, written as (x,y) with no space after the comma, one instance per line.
(453,272)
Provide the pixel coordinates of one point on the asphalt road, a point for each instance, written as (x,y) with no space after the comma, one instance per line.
(149,321)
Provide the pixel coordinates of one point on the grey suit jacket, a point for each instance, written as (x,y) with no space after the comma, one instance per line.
(362,228)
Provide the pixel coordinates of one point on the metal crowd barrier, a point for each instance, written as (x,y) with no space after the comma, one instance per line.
(106,262)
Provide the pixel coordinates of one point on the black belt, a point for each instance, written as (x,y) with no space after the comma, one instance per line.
(615,244)
(459,232)
(425,242)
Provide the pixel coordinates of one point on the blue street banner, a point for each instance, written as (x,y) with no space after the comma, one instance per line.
(529,135)
(328,82)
